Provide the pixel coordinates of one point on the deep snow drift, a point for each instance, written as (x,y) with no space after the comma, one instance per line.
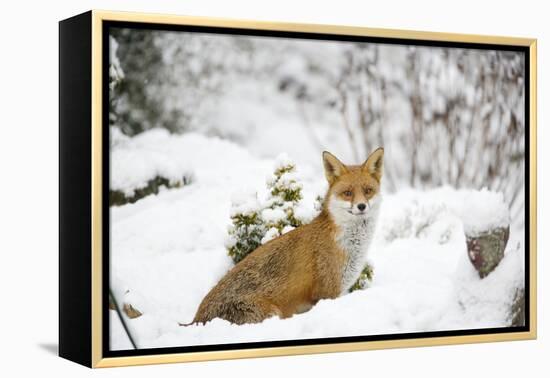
(167,251)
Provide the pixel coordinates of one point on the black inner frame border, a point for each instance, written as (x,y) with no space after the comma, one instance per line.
(106,25)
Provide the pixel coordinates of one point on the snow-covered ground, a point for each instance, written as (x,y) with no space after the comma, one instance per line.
(167,251)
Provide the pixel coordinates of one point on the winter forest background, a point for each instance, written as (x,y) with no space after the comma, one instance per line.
(198,121)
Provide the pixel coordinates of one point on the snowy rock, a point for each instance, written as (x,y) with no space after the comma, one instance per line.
(486,250)
(482,211)
(486,221)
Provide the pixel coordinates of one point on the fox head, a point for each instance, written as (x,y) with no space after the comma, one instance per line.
(354,190)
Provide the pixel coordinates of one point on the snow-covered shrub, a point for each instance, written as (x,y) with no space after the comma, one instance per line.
(255,221)
(153,186)
(247,228)
(116,75)
(318,204)
(141,165)
(285,192)
(416,220)
(365,278)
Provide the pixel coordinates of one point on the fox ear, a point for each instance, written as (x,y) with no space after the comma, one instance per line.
(375,163)
(333,167)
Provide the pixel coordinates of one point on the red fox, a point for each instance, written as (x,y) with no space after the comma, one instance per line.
(319,260)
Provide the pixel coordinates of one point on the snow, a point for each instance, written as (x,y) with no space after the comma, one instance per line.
(491,211)
(478,210)
(168,250)
(270,234)
(137,160)
(244,202)
(273,215)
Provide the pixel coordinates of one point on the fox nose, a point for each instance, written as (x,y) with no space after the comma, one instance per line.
(361,206)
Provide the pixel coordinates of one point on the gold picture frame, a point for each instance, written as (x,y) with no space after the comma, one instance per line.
(90,328)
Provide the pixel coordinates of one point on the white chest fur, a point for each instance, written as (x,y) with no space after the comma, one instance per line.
(355,236)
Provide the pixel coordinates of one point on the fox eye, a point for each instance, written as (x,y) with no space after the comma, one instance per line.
(368,191)
(347,193)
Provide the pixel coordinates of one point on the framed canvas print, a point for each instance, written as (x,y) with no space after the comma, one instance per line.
(236,189)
